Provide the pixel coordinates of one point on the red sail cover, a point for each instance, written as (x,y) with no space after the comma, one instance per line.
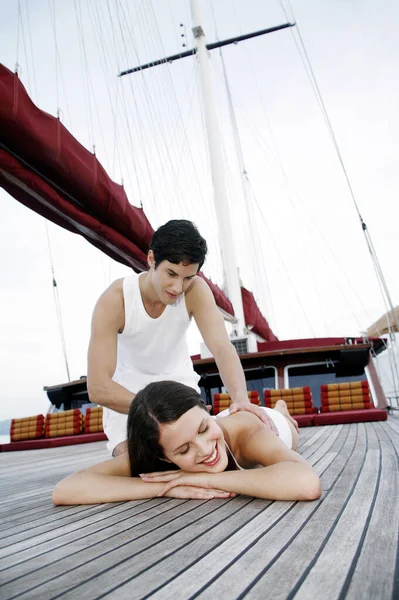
(45,168)
(254,318)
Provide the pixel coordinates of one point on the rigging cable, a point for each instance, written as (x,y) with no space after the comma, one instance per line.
(119,111)
(245,178)
(18,25)
(31,50)
(309,69)
(94,10)
(374,258)
(20,18)
(58,67)
(253,231)
(83,60)
(283,265)
(275,155)
(314,223)
(57,305)
(125,111)
(157,122)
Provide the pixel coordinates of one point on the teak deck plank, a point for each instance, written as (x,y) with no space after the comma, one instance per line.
(343,545)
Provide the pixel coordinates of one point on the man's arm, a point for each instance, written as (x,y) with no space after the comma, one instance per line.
(201,304)
(108,319)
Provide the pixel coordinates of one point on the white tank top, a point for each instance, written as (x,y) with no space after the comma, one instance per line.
(152,349)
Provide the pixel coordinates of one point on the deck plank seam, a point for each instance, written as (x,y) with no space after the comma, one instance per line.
(307,454)
(190,541)
(236,558)
(49,512)
(336,520)
(359,548)
(158,542)
(104,508)
(395,592)
(343,432)
(80,514)
(96,543)
(113,549)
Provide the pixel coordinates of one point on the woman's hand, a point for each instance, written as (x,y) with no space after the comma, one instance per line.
(183,484)
(179,479)
(195,493)
(161,476)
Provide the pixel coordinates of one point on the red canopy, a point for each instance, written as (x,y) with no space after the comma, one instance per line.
(43,166)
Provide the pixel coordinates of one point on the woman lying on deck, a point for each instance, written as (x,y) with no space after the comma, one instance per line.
(176,449)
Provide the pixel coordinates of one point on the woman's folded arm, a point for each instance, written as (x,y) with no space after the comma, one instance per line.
(281,481)
(109,481)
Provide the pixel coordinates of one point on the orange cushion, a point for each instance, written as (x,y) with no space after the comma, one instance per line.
(298,399)
(27,428)
(94,419)
(345,406)
(68,422)
(350,385)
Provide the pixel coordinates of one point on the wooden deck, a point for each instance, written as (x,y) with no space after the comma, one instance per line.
(342,546)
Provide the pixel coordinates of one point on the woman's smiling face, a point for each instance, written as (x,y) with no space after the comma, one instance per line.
(194,442)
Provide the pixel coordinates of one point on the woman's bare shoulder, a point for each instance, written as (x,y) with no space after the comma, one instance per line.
(242,422)
(240,426)
(254,443)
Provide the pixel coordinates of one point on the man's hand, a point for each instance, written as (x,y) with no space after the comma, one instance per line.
(256,410)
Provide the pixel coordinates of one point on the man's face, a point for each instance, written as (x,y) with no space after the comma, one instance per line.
(170,281)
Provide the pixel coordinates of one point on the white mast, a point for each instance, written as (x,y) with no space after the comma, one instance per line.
(217,168)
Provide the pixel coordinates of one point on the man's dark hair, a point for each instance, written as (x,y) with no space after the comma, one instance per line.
(178,241)
(157,403)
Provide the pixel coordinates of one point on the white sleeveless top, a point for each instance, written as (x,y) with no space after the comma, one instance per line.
(152,349)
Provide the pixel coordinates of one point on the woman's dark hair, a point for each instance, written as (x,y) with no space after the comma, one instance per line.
(158,403)
(178,241)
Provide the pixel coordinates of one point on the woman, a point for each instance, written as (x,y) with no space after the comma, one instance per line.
(176,449)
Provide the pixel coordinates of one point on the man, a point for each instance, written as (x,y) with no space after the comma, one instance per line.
(139,331)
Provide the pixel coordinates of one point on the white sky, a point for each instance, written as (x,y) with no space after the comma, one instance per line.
(354,50)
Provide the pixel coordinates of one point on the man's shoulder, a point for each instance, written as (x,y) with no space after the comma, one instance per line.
(117,285)
(197,291)
(198,288)
(112,297)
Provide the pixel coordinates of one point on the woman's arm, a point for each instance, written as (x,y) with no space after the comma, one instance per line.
(285,475)
(110,481)
(282,481)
